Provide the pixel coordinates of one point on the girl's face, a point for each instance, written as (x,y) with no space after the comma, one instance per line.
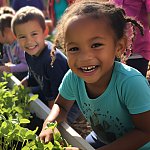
(31,37)
(91,48)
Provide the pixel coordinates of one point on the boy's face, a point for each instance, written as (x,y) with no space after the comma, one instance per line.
(30,37)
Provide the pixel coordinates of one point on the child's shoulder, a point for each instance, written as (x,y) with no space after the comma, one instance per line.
(125,70)
(126,77)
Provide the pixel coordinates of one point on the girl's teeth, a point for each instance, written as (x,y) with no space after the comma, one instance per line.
(88,69)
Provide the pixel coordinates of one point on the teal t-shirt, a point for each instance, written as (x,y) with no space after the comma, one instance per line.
(109,114)
(59,8)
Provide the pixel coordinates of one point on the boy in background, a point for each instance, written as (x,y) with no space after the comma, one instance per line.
(29,27)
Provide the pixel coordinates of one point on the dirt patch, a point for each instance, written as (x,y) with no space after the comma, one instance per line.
(81,126)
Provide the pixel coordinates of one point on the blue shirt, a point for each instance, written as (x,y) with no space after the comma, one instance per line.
(109,114)
(48,77)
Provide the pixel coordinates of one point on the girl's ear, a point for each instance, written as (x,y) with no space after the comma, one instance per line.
(121,46)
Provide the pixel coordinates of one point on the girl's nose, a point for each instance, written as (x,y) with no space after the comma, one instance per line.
(86,55)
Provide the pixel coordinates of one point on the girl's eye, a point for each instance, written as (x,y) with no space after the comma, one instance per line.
(73,49)
(95,45)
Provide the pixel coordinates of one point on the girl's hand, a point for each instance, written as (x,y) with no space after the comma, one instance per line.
(46,134)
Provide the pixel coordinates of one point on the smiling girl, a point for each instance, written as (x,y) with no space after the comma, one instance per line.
(93,34)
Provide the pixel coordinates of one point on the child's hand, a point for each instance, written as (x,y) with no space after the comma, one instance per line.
(46,134)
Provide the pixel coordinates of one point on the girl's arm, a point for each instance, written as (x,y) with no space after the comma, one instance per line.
(58,113)
(136,138)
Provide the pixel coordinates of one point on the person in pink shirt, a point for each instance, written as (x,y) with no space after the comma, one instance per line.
(139,10)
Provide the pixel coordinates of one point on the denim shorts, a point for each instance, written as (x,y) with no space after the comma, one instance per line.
(93,140)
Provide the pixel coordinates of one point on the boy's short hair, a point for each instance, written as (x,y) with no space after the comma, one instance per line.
(7,10)
(5,22)
(28,13)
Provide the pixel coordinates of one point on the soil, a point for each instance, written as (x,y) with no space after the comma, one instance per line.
(81,126)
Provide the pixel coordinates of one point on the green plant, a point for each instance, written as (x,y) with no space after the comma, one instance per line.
(59,143)
(15,115)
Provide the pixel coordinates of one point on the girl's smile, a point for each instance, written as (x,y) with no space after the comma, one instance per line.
(89,69)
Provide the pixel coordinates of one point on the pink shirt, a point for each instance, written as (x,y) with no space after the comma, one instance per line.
(139,10)
(1,3)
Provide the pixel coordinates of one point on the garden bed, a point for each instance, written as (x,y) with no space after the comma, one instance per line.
(67,132)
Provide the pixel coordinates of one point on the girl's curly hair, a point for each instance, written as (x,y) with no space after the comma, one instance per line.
(97,9)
